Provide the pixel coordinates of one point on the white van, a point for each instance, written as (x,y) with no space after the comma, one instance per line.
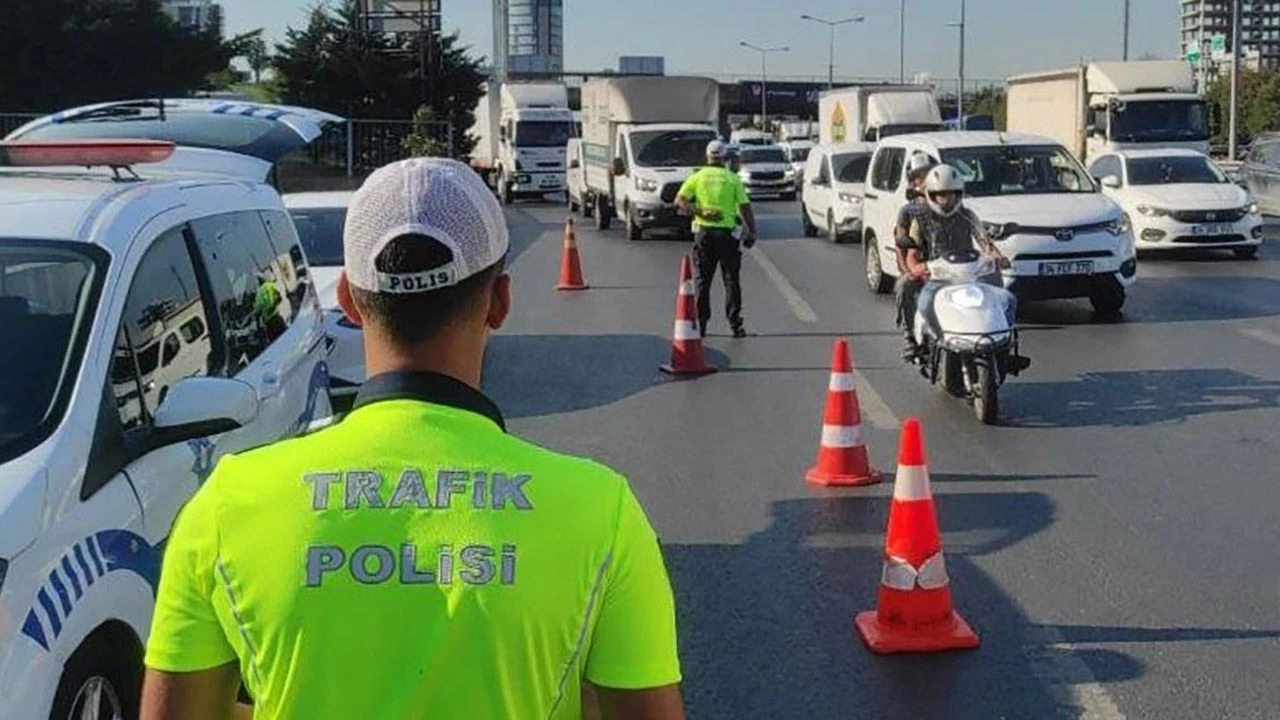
(151,326)
(575,177)
(833,186)
(1046,214)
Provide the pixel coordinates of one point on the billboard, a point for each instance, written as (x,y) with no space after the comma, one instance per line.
(401,16)
(641,65)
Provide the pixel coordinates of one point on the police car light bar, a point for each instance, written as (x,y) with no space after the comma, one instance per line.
(84,153)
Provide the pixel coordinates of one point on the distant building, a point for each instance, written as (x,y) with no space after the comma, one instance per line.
(189,13)
(532,34)
(641,65)
(1259,32)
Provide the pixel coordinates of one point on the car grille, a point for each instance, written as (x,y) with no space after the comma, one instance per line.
(1208,216)
(669,192)
(766,176)
(1077,230)
(1209,239)
(550,164)
(1085,255)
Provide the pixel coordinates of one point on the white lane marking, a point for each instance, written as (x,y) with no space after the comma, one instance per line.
(874,409)
(1068,678)
(1265,336)
(799,308)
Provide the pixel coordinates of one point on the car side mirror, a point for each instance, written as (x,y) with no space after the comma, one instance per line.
(201,406)
(574,163)
(1112,181)
(619,168)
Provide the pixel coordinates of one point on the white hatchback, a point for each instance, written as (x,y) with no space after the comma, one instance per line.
(1180,199)
(1064,237)
(153,323)
(831,201)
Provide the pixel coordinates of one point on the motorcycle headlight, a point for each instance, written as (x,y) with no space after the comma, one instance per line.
(1152,211)
(850,198)
(646,185)
(998,231)
(1119,226)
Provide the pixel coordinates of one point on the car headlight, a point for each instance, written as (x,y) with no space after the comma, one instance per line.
(1152,211)
(999,231)
(850,198)
(790,174)
(1119,226)
(646,185)
(1252,209)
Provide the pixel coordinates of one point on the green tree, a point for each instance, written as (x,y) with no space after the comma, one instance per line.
(990,101)
(1259,105)
(257,56)
(425,140)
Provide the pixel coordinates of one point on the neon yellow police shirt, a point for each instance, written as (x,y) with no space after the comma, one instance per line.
(415,561)
(715,188)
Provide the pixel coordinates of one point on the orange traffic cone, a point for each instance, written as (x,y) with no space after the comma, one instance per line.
(686,339)
(570,265)
(842,456)
(914,613)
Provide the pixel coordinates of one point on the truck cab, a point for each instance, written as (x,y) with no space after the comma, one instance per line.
(650,164)
(1146,120)
(532,152)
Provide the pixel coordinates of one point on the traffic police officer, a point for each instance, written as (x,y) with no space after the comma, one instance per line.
(717,199)
(415,559)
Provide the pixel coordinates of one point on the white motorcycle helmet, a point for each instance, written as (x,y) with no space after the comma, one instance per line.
(941,179)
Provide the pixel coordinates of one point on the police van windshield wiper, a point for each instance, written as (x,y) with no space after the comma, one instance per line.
(123,111)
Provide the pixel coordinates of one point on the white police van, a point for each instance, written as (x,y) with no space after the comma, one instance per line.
(153,320)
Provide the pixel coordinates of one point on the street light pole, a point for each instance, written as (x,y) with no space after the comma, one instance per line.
(902,42)
(764,77)
(1232,137)
(832,25)
(1126,30)
(960,91)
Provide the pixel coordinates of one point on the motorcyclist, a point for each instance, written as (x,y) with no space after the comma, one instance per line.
(907,286)
(947,228)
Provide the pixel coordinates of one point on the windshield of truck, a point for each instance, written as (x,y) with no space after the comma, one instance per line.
(544,134)
(1176,170)
(851,167)
(48,294)
(321,232)
(1160,121)
(754,155)
(799,154)
(671,148)
(1018,170)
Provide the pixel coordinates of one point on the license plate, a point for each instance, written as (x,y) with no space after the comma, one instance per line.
(1212,229)
(1073,267)
(549,183)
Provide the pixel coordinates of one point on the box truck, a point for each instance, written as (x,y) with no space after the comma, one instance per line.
(872,112)
(1101,107)
(522,129)
(642,137)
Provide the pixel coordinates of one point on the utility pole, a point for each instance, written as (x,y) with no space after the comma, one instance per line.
(1232,137)
(902,42)
(764,78)
(960,90)
(1126,30)
(832,25)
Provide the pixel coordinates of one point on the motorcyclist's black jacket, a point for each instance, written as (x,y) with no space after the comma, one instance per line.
(936,236)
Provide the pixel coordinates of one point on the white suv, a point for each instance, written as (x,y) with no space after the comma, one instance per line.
(152,324)
(1065,238)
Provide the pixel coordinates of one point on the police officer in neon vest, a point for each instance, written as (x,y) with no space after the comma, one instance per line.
(415,560)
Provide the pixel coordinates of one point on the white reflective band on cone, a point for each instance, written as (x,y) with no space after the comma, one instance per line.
(687,288)
(912,483)
(841,436)
(898,574)
(841,382)
(686,330)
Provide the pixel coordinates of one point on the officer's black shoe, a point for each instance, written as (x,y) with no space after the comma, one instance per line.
(739,332)
(911,351)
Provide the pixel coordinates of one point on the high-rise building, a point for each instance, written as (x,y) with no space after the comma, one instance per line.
(532,34)
(189,13)
(1259,31)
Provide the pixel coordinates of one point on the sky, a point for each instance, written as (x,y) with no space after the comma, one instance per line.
(1004,37)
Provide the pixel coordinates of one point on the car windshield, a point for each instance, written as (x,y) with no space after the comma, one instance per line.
(851,167)
(1018,170)
(1174,171)
(671,148)
(1160,121)
(543,134)
(763,155)
(799,154)
(48,294)
(321,232)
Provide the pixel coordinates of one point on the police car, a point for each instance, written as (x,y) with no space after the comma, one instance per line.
(156,317)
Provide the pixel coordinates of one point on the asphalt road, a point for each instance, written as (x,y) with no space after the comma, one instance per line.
(1114,542)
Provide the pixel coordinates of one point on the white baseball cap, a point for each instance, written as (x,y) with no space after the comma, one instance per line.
(715,149)
(441,199)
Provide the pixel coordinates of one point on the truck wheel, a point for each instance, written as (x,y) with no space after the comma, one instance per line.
(986,405)
(789,197)
(810,230)
(602,213)
(1107,299)
(877,281)
(635,233)
(99,681)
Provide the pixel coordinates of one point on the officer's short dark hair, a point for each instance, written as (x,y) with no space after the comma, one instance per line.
(412,319)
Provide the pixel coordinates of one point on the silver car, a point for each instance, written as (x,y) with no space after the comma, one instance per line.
(1261,172)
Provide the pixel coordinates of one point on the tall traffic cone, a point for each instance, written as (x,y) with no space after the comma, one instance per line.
(842,456)
(686,339)
(914,613)
(570,265)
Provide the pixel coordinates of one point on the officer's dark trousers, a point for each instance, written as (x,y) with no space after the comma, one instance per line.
(714,247)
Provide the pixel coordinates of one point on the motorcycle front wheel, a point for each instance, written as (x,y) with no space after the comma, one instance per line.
(986,405)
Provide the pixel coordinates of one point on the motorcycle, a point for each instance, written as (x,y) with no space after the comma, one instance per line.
(967,335)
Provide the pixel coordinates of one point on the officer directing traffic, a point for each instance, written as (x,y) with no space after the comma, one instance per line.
(717,200)
(415,560)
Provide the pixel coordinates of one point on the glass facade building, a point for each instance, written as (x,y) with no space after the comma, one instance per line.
(535,37)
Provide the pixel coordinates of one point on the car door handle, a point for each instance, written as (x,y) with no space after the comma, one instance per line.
(270,382)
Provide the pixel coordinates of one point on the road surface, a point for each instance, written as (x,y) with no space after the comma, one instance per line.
(1114,542)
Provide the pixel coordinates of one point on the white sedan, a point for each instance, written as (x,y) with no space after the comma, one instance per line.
(319,217)
(1179,199)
